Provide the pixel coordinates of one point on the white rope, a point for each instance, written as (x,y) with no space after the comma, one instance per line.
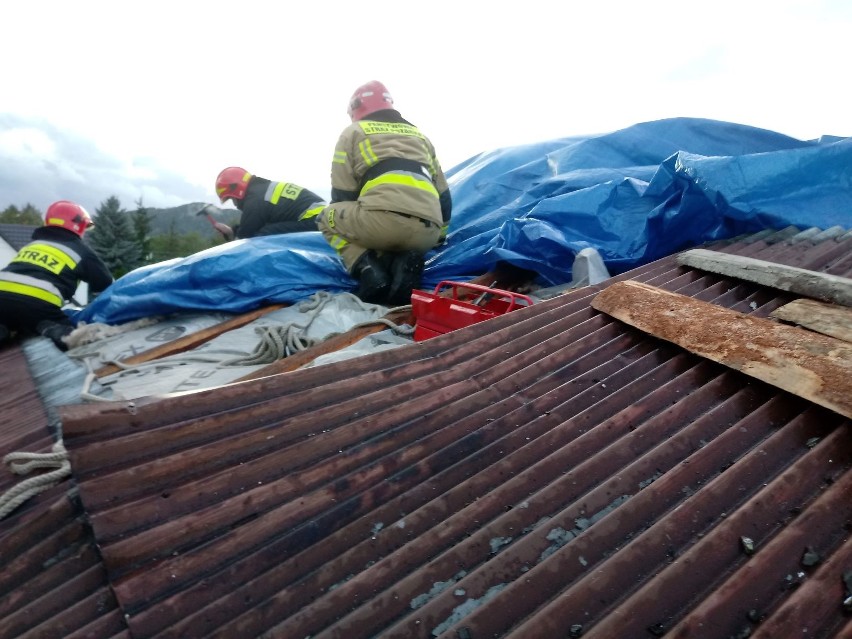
(277,342)
(399,329)
(85,392)
(23,463)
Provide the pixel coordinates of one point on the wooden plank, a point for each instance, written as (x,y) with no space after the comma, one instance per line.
(331,345)
(188,342)
(821,286)
(828,319)
(504,276)
(810,365)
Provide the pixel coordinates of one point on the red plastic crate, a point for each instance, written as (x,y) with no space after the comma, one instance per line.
(437,314)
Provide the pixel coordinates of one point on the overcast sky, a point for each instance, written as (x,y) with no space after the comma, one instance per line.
(151,99)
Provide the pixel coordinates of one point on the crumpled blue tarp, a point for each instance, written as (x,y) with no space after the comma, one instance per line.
(635,195)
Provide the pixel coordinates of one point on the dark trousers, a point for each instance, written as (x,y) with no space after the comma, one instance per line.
(23,313)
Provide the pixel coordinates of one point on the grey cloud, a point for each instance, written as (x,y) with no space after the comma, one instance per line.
(78,170)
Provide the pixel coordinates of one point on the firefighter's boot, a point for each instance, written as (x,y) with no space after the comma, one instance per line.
(374,282)
(55,331)
(407,274)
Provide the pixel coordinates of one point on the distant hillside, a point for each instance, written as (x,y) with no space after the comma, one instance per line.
(185,219)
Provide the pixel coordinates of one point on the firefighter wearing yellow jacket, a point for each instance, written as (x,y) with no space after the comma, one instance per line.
(46,272)
(390,202)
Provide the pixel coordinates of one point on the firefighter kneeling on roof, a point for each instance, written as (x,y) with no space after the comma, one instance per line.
(45,274)
(390,202)
(267,207)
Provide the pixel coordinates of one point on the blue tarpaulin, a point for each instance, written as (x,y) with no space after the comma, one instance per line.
(635,195)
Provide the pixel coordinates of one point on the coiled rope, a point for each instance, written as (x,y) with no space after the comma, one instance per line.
(277,342)
(23,463)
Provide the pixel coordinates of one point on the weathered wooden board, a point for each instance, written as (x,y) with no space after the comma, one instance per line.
(821,286)
(330,345)
(188,342)
(504,276)
(813,366)
(828,319)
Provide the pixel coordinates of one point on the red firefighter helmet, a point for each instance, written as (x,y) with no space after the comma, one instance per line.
(232,183)
(69,216)
(369,98)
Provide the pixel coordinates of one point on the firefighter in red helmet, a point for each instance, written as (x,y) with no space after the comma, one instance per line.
(267,207)
(390,202)
(45,273)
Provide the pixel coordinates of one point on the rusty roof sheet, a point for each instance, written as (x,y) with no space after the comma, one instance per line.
(550,472)
(53,583)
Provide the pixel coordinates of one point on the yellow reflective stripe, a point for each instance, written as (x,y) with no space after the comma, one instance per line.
(276,189)
(370,127)
(367,153)
(31,291)
(433,161)
(401,179)
(62,248)
(312,212)
(338,243)
(47,256)
(339,157)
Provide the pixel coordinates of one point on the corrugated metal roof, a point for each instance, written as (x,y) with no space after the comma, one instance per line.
(53,583)
(549,473)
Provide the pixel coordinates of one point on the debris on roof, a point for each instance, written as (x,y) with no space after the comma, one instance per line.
(828,319)
(808,364)
(822,286)
(173,343)
(195,351)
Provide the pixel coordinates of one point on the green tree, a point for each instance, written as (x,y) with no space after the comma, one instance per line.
(169,245)
(114,239)
(29,215)
(142,228)
(166,245)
